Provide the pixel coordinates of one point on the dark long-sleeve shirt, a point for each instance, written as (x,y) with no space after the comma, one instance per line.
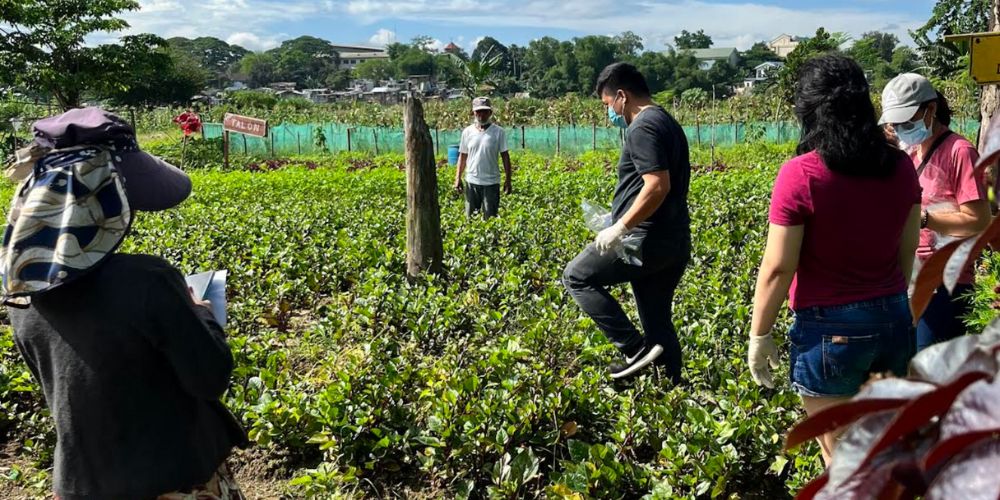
(132,372)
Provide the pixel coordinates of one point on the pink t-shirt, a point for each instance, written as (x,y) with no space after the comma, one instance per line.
(853,227)
(951,178)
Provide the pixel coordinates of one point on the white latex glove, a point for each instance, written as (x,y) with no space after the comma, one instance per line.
(607,238)
(761,353)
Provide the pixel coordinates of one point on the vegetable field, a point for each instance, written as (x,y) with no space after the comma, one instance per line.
(487,382)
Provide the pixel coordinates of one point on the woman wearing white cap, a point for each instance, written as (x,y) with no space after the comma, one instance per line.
(954,200)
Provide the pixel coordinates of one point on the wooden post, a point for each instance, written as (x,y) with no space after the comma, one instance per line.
(349,139)
(522,136)
(437,142)
(558,139)
(375,139)
(697,128)
(424,249)
(595,137)
(225,150)
(298,140)
(270,140)
(131,115)
(244,143)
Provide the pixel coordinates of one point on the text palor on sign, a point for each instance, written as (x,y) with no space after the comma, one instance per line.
(245,125)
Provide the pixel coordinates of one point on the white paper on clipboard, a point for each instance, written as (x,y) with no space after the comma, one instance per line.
(211,286)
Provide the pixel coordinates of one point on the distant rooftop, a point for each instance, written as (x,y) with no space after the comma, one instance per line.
(714,53)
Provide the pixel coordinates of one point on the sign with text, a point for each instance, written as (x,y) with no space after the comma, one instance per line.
(245,125)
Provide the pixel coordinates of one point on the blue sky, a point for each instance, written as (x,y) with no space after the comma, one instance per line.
(262,24)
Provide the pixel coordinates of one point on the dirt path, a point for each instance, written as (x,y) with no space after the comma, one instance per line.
(254,472)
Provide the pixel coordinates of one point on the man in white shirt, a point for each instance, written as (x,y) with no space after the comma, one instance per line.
(481,146)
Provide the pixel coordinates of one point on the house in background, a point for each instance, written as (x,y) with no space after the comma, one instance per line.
(277,87)
(762,73)
(708,58)
(451,48)
(784,45)
(318,96)
(352,55)
(289,94)
(236,86)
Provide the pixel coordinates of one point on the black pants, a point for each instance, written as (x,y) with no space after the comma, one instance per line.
(484,199)
(590,274)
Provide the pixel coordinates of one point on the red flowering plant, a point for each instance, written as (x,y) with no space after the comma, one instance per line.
(189,122)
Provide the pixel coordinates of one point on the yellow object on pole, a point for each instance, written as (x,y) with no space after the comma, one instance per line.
(984,49)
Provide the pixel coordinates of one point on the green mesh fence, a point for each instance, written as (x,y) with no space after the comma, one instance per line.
(285,140)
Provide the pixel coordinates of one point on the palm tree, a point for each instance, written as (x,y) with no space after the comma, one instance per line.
(478,74)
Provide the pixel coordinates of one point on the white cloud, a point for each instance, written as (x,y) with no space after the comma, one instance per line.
(474,43)
(150,6)
(737,23)
(252,42)
(437,45)
(382,37)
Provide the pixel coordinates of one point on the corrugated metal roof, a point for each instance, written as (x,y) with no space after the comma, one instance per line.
(714,53)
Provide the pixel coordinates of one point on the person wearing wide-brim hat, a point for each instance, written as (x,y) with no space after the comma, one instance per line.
(131,366)
(954,200)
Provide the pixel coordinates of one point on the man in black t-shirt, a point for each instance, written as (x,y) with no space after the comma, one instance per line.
(650,204)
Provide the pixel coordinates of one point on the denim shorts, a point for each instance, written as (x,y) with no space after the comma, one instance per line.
(836,349)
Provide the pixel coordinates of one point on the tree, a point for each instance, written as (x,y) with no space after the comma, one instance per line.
(592,53)
(480,73)
(687,73)
(823,43)
(628,45)
(212,54)
(458,52)
(294,66)
(259,68)
(415,62)
(490,45)
(904,60)
(545,74)
(950,17)
(883,43)
(422,42)
(307,61)
(339,79)
(991,93)
(396,50)
(42,46)
(450,69)
(758,54)
(376,70)
(658,70)
(518,60)
(690,41)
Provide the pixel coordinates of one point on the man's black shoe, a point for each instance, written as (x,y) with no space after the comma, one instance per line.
(636,361)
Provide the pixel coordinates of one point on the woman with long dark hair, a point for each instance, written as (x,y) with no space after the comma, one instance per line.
(844,221)
(954,200)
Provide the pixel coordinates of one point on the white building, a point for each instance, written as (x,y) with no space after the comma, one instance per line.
(353,55)
(762,73)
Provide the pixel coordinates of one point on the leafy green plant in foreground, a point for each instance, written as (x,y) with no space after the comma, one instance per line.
(486,381)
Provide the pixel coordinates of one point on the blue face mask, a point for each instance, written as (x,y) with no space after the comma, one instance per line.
(615,118)
(912,133)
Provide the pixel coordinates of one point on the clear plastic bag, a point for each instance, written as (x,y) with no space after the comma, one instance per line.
(598,217)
